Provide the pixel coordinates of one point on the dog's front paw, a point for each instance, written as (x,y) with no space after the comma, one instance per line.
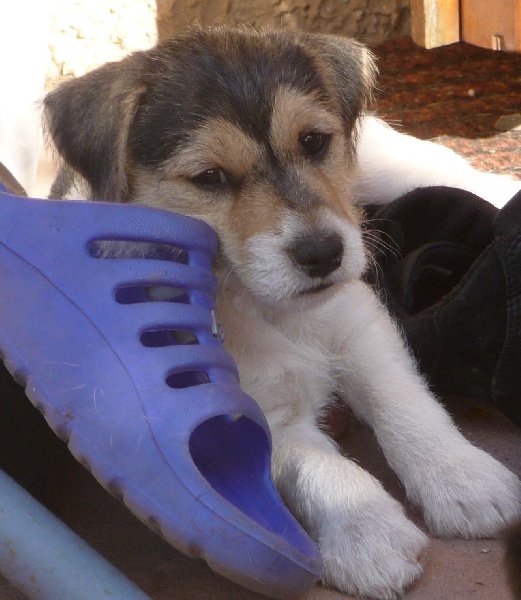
(372,551)
(472,495)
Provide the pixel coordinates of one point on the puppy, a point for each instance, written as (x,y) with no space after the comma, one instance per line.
(257,134)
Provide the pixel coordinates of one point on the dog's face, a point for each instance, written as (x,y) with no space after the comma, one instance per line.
(252,132)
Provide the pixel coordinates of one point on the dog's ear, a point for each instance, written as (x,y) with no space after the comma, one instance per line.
(351,70)
(89,118)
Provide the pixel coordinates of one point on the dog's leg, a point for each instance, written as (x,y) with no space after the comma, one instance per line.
(369,547)
(392,163)
(368,544)
(461,489)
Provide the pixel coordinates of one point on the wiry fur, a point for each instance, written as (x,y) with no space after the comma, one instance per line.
(145,129)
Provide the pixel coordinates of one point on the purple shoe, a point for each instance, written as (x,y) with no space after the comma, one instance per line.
(121,356)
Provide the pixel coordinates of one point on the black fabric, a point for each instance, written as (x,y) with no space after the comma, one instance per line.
(435,213)
(428,240)
(449,269)
(425,275)
(506,385)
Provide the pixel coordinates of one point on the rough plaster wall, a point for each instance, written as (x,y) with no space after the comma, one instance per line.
(368,20)
(87,33)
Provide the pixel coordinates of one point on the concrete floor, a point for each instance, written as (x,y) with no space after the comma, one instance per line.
(453,569)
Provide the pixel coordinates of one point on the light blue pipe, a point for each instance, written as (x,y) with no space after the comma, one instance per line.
(47,561)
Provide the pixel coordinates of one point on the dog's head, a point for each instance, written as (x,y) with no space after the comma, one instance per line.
(253,132)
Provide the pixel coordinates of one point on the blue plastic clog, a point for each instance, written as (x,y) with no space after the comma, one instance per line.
(121,356)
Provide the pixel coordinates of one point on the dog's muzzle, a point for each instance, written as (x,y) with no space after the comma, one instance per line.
(318,254)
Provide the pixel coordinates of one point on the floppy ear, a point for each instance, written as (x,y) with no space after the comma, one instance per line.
(89,119)
(351,70)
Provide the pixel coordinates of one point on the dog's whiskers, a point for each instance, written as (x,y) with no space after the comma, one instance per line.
(375,247)
(374,239)
(225,274)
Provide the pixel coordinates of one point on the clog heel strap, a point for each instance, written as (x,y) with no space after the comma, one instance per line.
(120,354)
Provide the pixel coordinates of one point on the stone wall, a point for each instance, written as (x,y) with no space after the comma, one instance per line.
(87,33)
(368,20)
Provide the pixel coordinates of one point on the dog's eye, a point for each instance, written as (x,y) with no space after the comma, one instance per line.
(211,178)
(314,143)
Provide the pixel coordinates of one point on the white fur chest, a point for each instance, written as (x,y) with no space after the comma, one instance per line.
(285,360)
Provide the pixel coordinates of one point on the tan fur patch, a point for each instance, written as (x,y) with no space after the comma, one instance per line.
(255,207)
(217,144)
(236,215)
(295,114)
(259,210)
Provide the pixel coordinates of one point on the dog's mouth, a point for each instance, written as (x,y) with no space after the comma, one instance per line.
(317,289)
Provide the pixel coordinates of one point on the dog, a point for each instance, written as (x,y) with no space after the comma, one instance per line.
(267,137)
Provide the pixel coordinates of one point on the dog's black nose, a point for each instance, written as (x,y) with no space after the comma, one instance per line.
(318,254)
